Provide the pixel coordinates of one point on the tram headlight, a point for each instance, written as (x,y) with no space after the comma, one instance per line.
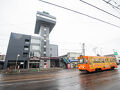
(83,67)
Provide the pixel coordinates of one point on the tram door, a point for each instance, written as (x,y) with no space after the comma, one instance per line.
(91,60)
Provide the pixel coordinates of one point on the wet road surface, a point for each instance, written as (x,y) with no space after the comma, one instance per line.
(70,79)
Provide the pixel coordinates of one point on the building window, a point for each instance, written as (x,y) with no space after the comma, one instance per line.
(26,47)
(44,34)
(44,43)
(45,29)
(50,55)
(36,54)
(44,46)
(44,52)
(36,41)
(25,54)
(45,60)
(44,49)
(45,40)
(50,49)
(35,47)
(27,41)
(44,55)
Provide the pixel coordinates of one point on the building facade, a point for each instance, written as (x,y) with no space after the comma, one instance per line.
(18,51)
(53,50)
(30,51)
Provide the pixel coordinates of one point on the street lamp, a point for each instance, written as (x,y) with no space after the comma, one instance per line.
(16,61)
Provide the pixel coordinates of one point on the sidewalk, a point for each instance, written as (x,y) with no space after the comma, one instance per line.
(31,70)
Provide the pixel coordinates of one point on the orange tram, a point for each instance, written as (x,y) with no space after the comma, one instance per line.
(96,63)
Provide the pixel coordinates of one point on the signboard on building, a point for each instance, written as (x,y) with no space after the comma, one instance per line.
(44,58)
(34,58)
(75,60)
(115,53)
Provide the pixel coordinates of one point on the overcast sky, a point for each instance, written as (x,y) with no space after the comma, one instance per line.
(71,29)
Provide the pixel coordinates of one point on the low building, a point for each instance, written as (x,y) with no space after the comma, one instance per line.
(2,57)
(2,60)
(70,58)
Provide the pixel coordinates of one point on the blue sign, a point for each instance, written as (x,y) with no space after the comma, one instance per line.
(75,60)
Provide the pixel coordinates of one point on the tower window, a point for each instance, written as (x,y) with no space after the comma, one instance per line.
(50,49)
(44,49)
(27,41)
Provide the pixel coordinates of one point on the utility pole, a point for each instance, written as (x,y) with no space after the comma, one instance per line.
(16,61)
(83,49)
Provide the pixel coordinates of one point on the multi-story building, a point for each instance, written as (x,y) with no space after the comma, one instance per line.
(18,51)
(31,51)
(43,27)
(25,51)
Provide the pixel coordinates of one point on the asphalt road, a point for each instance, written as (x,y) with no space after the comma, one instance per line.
(70,79)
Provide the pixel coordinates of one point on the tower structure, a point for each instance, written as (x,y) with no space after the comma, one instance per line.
(44,25)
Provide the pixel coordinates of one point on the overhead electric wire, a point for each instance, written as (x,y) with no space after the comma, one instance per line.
(80,13)
(111,4)
(100,9)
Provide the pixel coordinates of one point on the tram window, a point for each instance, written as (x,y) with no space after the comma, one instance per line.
(111,60)
(107,60)
(90,62)
(99,60)
(114,60)
(93,60)
(103,61)
(86,61)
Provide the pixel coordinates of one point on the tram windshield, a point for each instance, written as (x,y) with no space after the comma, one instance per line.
(82,61)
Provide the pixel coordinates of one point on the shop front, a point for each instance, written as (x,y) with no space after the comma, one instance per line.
(73,63)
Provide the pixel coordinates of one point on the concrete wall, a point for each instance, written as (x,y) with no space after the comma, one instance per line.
(73,55)
(53,50)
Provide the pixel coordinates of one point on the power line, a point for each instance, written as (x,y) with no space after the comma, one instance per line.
(108,1)
(100,9)
(111,4)
(80,13)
